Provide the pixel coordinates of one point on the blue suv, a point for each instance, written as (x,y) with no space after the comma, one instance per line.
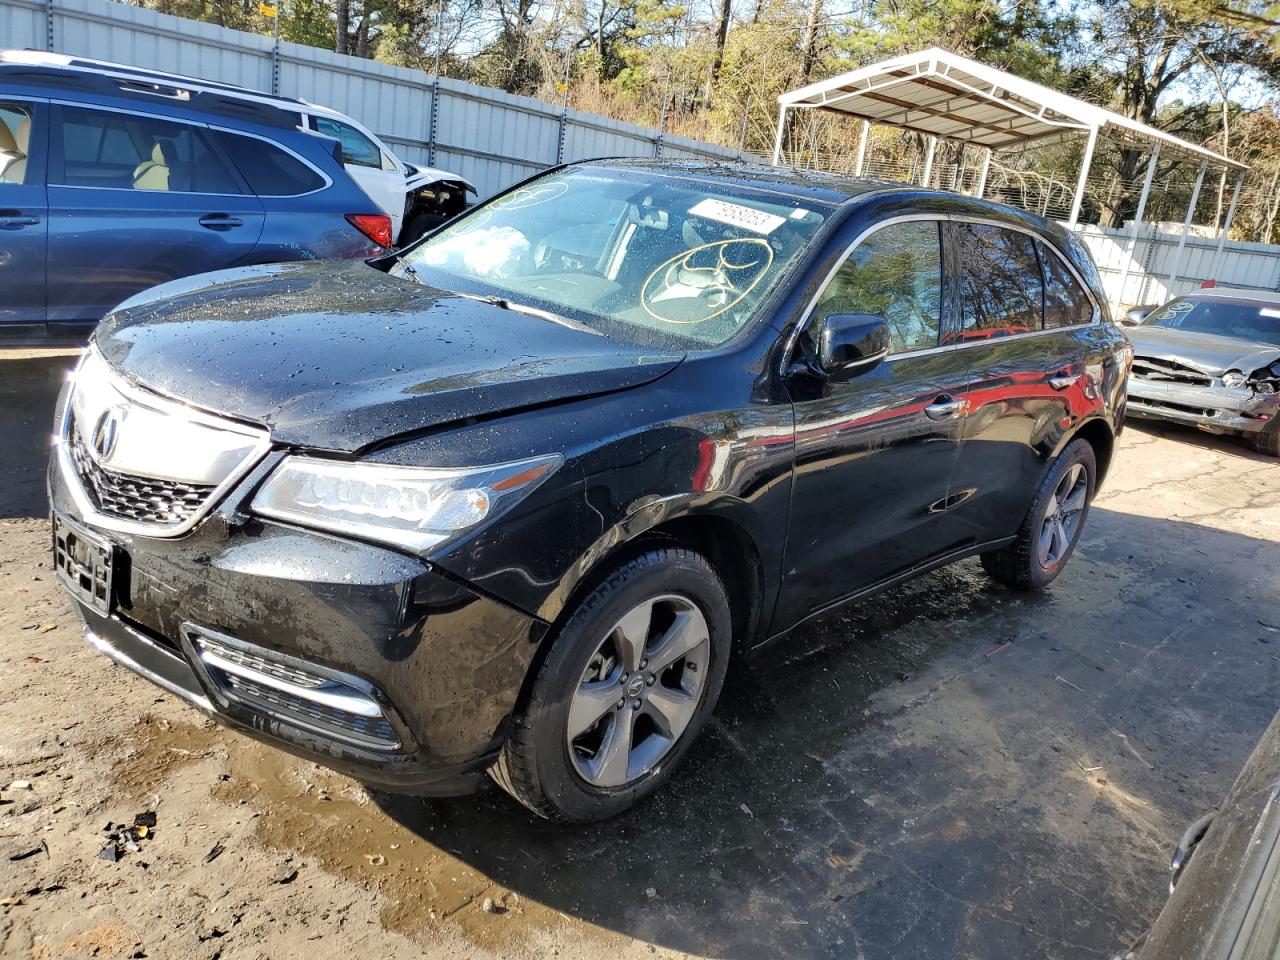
(111,183)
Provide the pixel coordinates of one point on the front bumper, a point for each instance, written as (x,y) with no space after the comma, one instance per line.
(445,662)
(1215,409)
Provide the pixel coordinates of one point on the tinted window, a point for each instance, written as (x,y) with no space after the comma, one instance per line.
(356,147)
(1255,322)
(1001,291)
(1065,302)
(895,273)
(270,170)
(101,148)
(15,141)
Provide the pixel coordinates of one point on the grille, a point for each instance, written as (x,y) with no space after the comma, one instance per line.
(284,687)
(1169,371)
(371,731)
(136,498)
(1146,403)
(262,665)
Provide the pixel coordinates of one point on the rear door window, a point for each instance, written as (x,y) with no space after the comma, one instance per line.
(270,169)
(125,151)
(1065,302)
(894,273)
(1001,289)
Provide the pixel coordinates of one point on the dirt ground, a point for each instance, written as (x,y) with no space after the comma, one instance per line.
(953,770)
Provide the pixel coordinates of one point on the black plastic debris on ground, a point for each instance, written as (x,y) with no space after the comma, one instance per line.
(127,838)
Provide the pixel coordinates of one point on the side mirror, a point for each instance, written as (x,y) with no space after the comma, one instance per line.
(849,344)
(1134,316)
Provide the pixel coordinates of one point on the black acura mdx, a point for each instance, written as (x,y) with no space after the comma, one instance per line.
(510,500)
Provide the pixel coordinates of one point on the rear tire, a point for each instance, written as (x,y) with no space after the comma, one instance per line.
(573,754)
(1052,527)
(1267,442)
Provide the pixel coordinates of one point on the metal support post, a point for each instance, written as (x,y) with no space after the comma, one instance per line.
(982,176)
(862,148)
(777,137)
(1085,164)
(1186,226)
(1137,220)
(928,161)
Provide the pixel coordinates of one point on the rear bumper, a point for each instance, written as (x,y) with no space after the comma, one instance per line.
(1217,409)
(443,662)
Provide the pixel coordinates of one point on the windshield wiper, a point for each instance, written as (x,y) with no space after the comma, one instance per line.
(511,305)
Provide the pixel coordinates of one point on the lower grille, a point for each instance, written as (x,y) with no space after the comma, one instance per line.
(371,731)
(136,498)
(1169,371)
(1141,402)
(323,701)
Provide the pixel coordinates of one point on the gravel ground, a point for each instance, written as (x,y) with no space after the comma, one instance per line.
(951,771)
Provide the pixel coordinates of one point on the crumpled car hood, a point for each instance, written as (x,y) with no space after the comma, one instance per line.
(1202,351)
(339,355)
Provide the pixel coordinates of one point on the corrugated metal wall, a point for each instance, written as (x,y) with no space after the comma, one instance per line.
(488,136)
(1154,255)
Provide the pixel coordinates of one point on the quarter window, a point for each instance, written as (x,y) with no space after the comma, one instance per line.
(1065,302)
(356,147)
(270,170)
(15,142)
(101,148)
(895,273)
(1001,290)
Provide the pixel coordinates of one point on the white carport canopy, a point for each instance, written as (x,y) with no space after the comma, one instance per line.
(942,94)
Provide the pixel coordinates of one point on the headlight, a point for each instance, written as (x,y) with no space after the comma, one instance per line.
(1233,379)
(411,507)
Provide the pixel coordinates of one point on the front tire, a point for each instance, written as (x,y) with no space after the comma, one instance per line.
(1051,529)
(1267,442)
(626,686)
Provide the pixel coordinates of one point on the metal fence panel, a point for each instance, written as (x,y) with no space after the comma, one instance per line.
(22,24)
(1155,255)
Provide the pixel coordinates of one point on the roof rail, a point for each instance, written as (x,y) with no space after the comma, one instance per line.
(144,85)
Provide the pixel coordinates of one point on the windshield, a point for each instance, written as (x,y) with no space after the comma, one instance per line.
(636,256)
(1224,318)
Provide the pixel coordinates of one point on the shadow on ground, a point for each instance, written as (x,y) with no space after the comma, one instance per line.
(954,771)
(1232,446)
(28,393)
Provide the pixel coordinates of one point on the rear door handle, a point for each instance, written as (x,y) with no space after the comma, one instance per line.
(945,407)
(1064,379)
(17,220)
(220,221)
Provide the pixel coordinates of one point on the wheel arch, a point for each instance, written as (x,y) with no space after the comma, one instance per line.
(711,530)
(1099,435)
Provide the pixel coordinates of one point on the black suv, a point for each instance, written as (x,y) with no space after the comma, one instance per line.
(509,501)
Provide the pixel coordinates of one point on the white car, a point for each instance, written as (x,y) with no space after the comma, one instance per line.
(415,198)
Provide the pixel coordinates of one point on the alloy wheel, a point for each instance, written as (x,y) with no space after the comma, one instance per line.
(1062,516)
(639,691)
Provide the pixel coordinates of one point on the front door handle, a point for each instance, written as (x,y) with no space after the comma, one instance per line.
(945,408)
(1064,379)
(220,221)
(17,220)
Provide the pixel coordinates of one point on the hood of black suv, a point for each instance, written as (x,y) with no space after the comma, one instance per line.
(340,356)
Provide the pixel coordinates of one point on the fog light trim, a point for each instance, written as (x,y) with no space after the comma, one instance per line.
(323,701)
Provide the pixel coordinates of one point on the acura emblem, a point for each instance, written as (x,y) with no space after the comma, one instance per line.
(107,432)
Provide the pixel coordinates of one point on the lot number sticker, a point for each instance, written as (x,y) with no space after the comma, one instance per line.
(746,218)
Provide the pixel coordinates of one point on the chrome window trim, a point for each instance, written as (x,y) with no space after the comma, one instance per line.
(809,309)
(199,124)
(165,405)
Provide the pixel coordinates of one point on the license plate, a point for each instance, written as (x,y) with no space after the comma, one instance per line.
(83,562)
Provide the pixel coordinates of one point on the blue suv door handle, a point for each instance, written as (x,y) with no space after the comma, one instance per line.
(220,221)
(11,218)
